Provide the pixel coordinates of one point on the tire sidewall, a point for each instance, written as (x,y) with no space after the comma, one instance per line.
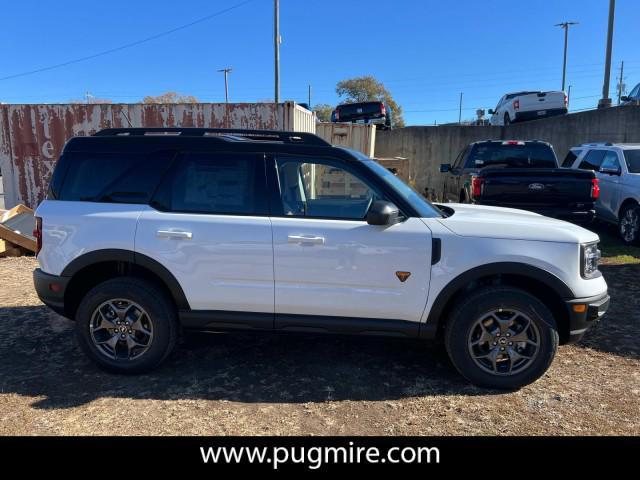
(463,320)
(161,314)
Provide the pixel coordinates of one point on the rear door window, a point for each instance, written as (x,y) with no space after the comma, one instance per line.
(632,158)
(592,160)
(214,183)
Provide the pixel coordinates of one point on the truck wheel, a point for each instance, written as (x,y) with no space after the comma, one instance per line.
(126,325)
(507,119)
(629,224)
(501,337)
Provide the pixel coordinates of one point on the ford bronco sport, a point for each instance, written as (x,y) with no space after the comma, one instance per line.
(149,232)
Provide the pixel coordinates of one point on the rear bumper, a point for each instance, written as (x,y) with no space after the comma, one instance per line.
(534,114)
(51,289)
(590,311)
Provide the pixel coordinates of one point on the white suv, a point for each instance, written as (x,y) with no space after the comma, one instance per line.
(146,232)
(617,167)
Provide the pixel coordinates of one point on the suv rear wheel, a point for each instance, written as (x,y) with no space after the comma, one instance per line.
(126,325)
(501,337)
(629,225)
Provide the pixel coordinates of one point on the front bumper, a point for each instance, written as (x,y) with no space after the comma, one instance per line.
(584,313)
(51,289)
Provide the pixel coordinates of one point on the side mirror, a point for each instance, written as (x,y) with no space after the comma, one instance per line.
(610,171)
(491,111)
(624,98)
(445,167)
(383,213)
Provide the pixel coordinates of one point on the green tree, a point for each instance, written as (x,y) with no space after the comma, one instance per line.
(170,97)
(367,89)
(323,112)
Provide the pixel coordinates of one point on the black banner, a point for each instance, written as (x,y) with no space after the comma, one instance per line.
(486,455)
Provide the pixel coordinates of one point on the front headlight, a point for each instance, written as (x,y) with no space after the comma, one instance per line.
(590,259)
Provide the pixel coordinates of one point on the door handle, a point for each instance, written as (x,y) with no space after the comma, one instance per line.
(302,239)
(174,234)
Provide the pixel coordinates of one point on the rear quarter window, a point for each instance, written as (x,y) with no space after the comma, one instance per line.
(570,158)
(111,177)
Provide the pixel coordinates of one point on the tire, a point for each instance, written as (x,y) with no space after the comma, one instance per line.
(139,306)
(463,329)
(507,120)
(629,224)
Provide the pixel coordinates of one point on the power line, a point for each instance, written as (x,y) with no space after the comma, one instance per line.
(127,45)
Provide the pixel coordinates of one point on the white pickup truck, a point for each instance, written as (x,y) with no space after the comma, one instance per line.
(522,106)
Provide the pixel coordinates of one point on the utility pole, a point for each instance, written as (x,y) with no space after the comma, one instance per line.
(276,44)
(621,82)
(460,110)
(565,27)
(605,101)
(87,97)
(309,98)
(226,72)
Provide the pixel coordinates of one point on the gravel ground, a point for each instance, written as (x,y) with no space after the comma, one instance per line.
(236,384)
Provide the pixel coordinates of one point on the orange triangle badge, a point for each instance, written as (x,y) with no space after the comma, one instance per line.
(402,276)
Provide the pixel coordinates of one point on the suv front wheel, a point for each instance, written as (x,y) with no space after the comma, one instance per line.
(501,337)
(126,325)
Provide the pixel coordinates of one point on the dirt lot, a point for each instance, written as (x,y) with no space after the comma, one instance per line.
(219,384)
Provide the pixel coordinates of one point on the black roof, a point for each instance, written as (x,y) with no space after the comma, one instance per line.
(148,139)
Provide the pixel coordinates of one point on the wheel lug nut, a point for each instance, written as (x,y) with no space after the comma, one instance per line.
(130,331)
(510,343)
(502,348)
(508,334)
(497,334)
(123,335)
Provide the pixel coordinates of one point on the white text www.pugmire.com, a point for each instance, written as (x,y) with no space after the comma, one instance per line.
(315,457)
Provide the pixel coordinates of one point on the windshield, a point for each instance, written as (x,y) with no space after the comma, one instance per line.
(521,155)
(632,157)
(423,206)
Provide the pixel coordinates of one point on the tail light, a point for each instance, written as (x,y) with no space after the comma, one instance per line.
(566,102)
(516,104)
(476,187)
(337,114)
(595,189)
(37,233)
(383,109)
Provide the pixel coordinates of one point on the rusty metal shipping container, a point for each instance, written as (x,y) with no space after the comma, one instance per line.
(351,135)
(32,136)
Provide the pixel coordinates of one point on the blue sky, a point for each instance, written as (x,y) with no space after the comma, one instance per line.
(425,51)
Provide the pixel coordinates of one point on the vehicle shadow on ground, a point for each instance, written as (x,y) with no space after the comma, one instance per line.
(41,358)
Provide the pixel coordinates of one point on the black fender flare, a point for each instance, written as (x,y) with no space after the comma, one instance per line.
(121,255)
(430,328)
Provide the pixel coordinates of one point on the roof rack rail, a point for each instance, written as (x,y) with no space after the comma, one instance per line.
(302,138)
(597,144)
